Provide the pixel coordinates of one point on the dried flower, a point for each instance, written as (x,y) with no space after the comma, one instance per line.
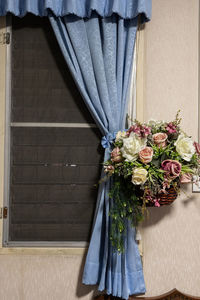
(171,128)
(140,130)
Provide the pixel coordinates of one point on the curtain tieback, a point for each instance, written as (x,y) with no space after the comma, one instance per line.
(107,139)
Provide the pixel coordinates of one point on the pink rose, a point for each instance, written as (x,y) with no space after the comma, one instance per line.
(197,148)
(160,139)
(146,155)
(171,128)
(186,178)
(116,155)
(172,167)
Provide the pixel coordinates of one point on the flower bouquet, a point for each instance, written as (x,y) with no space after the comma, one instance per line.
(147,165)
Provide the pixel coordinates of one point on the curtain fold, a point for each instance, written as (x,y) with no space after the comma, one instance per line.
(127,9)
(99,53)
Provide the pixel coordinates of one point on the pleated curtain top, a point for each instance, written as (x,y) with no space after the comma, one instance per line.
(126,9)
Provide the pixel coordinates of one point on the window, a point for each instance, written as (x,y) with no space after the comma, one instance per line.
(53,145)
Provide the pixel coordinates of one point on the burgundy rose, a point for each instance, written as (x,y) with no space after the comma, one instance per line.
(116,155)
(171,167)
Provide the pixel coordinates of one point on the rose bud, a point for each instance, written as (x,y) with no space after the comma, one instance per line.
(146,155)
(160,139)
(116,155)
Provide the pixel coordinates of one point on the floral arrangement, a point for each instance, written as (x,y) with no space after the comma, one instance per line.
(146,161)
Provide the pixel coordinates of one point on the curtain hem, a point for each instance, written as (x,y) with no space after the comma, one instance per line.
(120,285)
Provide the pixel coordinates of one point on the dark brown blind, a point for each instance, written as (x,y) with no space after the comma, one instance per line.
(53,170)
(42,87)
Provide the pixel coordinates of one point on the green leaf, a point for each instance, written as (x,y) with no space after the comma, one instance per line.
(156,162)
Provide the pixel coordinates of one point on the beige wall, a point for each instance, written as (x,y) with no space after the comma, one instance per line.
(42,277)
(171,235)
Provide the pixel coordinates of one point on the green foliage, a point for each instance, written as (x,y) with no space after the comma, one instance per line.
(125,207)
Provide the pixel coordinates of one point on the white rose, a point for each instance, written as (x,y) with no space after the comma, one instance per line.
(132,146)
(120,136)
(153,122)
(184,147)
(139,176)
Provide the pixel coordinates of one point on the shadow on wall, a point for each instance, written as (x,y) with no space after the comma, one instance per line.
(157,214)
(82,289)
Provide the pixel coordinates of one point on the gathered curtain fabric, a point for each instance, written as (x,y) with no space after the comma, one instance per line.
(126,9)
(99,53)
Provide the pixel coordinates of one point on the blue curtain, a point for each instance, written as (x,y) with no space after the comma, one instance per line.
(97,40)
(99,53)
(127,9)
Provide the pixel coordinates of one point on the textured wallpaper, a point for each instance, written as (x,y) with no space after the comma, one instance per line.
(171,235)
(42,277)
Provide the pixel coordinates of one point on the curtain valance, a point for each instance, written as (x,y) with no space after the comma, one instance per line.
(127,9)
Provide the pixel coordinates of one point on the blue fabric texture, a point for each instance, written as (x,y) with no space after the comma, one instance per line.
(127,9)
(99,53)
